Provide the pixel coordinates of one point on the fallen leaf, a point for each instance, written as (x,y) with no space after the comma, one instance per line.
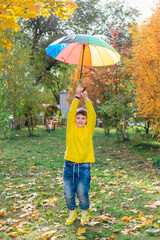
(50,201)
(33,167)
(117,174)
(104,218)
(2,213)
(126,231)
(116,230)
(80,231)
(13,234)
(140,217)
(47,235)
(112,237)
(93,223)
(127,219)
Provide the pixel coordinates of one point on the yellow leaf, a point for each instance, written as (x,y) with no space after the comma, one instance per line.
(140,216)
(145,223)
(13,234)
(116,230)
(117,173)
(22,231)
(127,219)
(81,230)
(104,218)
(33,167)
(52,200)
(48,235)
(2,213)
(156,225)
(112,237)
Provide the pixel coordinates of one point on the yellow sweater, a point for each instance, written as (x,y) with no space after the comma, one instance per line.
(79,146)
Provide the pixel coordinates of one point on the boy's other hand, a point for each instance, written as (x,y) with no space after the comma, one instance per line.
(85,96)
(79,91)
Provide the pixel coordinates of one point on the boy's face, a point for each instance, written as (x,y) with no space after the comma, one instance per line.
(81,120)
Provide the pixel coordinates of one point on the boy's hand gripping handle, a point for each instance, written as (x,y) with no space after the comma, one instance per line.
(84,89)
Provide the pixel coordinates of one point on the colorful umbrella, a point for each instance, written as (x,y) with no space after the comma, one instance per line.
(83,50)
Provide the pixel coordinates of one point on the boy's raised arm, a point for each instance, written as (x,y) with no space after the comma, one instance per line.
(91,115)
(73,108)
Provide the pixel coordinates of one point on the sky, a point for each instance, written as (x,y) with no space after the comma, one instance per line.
(144,6)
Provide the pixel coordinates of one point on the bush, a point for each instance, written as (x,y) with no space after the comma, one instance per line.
(156,163)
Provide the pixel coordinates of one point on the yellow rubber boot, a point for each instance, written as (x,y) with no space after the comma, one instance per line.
(72,217)
(85,217)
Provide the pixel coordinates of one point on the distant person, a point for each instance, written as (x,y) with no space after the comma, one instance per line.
(78,156)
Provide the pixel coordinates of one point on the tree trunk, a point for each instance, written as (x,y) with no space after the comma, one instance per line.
(106,131)
(29,130)
(29,125)
(147,131)
(125,138)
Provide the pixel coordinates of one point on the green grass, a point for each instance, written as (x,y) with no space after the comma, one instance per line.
(124,184)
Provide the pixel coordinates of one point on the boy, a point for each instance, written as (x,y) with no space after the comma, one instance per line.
(78,156)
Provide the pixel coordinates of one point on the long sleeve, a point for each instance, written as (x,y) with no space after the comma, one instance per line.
(91,117)
(72,113)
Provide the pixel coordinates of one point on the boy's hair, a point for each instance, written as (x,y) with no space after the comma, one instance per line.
(81,111)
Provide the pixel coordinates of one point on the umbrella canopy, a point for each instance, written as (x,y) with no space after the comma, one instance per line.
(83,50)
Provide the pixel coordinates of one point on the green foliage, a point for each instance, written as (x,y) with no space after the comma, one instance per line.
(156,163)
(119,105)
(4,115)
(24,97)
(58,78)
(85,18)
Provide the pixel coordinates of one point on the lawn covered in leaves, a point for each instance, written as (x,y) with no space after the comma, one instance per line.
(124,195)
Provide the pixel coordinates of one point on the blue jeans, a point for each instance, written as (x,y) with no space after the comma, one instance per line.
(76,180)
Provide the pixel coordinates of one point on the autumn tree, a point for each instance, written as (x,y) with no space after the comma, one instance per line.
(23,97)
(145,62)
(10,11)
(112,94)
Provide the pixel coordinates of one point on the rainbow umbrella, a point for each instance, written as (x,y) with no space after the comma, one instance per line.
(83,50)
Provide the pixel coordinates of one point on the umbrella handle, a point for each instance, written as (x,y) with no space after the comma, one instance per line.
(84,89)
(82,64)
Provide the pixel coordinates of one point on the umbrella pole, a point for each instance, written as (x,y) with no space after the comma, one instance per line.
(82,64)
